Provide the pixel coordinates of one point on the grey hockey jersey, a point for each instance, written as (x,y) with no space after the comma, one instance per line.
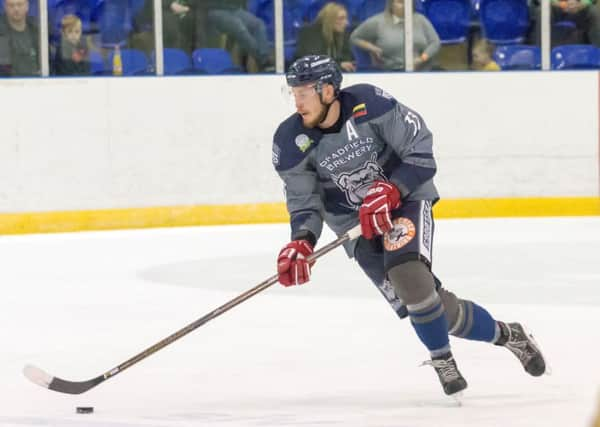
(326,173)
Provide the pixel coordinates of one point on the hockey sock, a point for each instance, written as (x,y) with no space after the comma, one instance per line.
(429,320)
(475,323)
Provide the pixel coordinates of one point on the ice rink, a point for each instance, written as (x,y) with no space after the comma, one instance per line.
(330,353)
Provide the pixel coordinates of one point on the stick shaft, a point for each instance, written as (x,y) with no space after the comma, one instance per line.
(223,308)
(44,379)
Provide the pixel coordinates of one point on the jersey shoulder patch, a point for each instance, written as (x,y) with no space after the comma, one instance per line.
(364,102)
(292,143)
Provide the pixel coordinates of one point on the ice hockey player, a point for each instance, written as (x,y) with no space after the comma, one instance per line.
(358,155)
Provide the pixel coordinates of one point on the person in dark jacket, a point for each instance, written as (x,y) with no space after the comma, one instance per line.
(72,55)
(19,41)
(327,35)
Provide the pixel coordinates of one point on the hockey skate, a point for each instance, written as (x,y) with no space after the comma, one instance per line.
(451,379)
(522,344)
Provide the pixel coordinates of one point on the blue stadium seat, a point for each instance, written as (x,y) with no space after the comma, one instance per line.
(115,21)
(575,57)
(214,61)
(354,7)
(292,19)
(450,18)
(134,62)
(475,6)
(518,57)
(370,8)
(312,9)
(176,61)
(504,21)
(97,63)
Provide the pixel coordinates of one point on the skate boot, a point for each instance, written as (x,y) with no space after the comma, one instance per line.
(521,343)
(451,379)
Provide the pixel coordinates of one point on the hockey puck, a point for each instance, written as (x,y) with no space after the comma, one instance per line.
(85,409)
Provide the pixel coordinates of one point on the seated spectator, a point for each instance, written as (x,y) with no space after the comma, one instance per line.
(482,53)
(248,31)
(583,17)
(19,41)
(382,35)
(328,36)
(72,55)
(183,23)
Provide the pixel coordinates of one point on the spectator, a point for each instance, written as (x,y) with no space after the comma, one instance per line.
(248,31)
(179,23)
(328,36)
(72,55)
(382,35)
(19,41)
(482,56)
(580,21)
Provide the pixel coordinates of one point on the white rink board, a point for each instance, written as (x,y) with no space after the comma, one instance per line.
(69,144)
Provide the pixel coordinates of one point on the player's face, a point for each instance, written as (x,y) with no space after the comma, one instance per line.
(308,105)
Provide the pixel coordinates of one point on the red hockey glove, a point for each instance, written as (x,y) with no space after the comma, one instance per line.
(292,267)
(375,211)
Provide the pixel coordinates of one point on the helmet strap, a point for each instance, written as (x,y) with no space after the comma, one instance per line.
(319,89)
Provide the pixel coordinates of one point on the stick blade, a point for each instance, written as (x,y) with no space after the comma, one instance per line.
(44,379)
(37,376)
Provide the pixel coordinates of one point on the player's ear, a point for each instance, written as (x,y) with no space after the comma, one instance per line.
(329,92)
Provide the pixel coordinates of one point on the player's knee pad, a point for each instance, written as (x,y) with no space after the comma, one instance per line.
(412,281)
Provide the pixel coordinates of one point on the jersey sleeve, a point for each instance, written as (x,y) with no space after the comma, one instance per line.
(301,189)
(406,132)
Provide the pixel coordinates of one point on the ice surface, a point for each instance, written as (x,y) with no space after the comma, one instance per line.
(331,353)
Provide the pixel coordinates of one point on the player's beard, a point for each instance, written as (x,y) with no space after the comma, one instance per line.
(320,117)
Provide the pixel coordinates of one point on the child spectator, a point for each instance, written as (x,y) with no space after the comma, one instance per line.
(482,56)
(72,56)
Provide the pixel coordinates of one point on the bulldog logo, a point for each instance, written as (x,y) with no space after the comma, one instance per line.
(356,183)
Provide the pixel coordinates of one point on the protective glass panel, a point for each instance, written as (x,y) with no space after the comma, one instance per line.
(100,37)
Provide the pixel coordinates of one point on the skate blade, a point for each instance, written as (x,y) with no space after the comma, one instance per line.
(457,398)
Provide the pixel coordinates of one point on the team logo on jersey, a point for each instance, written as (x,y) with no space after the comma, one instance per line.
(359,110)
(303,142)
(275,154)
(402,233)
(356,183)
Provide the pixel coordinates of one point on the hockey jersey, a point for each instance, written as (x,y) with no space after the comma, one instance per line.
(327,173)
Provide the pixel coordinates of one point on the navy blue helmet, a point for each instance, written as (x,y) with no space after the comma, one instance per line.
(317,69)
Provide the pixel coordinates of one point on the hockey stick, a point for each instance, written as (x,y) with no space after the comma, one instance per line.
(46,380)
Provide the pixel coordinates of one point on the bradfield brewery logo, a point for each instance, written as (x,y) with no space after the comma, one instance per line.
(399,236)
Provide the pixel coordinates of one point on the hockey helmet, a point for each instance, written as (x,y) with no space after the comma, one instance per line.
(317,69)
